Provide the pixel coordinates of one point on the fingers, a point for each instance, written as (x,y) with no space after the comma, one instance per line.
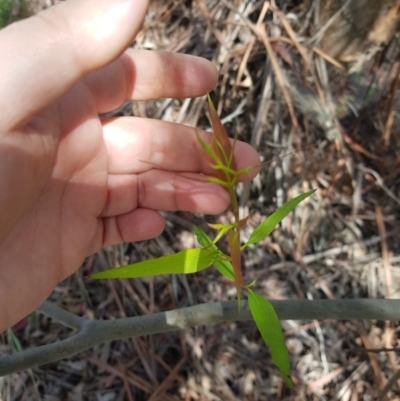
(147,75)
(136,145)
(74,38)
(138,225)
(166,191)
(158,165)
(133,200)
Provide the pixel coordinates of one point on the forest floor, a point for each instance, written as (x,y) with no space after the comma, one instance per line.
(326,121)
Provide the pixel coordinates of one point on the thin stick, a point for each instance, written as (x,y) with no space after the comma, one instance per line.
(328,58)
(262,34)
(390,116)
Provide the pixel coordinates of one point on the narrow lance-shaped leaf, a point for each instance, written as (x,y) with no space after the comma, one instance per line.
(223,166)
(15,340)
(267,226)
(270,329)
(184,262)
(224,267)
(223,229)
(221,138)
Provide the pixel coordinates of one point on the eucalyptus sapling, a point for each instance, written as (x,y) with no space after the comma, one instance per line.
(221,151)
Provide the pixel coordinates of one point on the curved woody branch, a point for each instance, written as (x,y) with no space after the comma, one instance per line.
(91,333)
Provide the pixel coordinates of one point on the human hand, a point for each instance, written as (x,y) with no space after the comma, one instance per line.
(70,182)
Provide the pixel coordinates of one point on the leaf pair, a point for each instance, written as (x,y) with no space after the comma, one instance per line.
(262,311)
(195,260)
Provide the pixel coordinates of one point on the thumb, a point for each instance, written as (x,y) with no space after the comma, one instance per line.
(45,55)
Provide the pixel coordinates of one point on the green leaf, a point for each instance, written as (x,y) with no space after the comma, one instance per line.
(224,267)
(223,229)
(251,283)
(208,149)
(184,262)
(14,340)
(267,226)
(270,329)
(13,10)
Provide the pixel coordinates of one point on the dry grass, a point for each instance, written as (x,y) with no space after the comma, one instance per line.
(344,131)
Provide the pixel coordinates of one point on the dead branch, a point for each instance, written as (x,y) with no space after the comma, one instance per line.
(95,332)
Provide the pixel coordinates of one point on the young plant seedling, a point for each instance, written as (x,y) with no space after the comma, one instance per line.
(221,152)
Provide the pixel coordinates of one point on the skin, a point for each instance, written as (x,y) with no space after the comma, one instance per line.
(70,182)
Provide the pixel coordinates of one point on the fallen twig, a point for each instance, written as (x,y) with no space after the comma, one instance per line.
(95,332)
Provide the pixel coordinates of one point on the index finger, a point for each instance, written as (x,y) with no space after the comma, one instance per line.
(149,75)
(45,55)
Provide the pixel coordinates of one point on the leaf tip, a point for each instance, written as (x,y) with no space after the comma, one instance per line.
(288,380)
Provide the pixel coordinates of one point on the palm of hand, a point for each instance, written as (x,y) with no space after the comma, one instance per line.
(57,223)
(81,205)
